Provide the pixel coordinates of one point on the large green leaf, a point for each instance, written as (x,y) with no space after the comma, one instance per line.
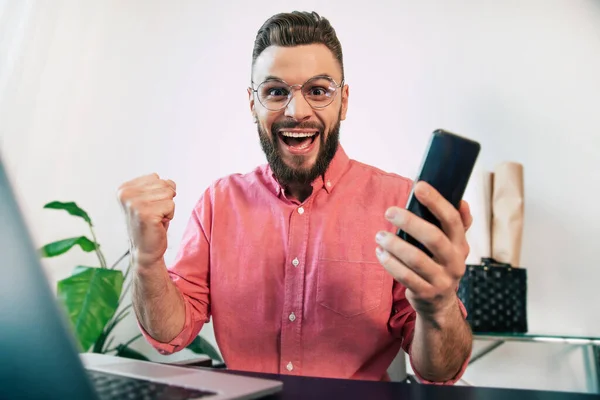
(91,297)
(62,246)
(70,207)
(201,346)
(128,352)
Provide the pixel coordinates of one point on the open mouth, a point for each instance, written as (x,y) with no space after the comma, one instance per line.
(298,140)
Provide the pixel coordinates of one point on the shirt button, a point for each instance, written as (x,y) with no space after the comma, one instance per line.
(295,262)
(328,183)
(290,366)
(292,317)
(301,210)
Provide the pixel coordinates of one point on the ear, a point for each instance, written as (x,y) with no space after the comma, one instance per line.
(345,94)
(251,102)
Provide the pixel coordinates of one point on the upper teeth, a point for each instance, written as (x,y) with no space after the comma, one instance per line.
(299,134)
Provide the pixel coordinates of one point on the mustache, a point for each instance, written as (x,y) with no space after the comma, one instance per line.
(280,125)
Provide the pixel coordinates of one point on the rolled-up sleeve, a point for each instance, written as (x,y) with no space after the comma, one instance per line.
(402,326)
(190,274)
(402,321)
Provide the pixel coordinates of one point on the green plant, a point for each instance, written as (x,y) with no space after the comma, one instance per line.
(93,296)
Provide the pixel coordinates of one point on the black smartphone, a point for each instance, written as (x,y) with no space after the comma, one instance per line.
(447,166)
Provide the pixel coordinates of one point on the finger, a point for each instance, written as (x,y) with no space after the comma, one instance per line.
(170,211)
(142,180)
(158,194)
(441,208)
(137,198)
(401,273)
(465,214)
(133,188)
(157,184)
(160,185)
(171,184)
(423,231)
(165,209)
(410,256)
(154,215)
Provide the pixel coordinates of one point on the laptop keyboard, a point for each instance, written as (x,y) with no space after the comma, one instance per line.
(111,387)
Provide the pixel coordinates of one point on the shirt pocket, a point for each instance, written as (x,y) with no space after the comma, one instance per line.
(349,288)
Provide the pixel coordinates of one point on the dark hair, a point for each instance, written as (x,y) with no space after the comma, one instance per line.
(297,28)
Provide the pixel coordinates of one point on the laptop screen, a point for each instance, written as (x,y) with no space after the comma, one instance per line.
(38,358)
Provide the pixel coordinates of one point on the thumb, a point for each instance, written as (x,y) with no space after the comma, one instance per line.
(465,214)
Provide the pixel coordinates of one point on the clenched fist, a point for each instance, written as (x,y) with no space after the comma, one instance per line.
(149,207)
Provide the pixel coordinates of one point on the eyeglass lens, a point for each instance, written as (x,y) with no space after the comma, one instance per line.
(275,94)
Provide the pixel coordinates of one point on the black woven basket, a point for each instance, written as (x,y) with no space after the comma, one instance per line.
(495,296)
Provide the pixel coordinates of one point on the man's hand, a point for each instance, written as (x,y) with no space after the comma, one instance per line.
(149,207)
(430,283)
(442,339)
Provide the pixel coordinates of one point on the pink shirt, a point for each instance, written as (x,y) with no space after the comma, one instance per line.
(296,288)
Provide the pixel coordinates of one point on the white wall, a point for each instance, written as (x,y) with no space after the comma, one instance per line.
(95,93)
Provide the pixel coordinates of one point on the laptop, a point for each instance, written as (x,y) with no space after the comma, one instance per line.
(38,355)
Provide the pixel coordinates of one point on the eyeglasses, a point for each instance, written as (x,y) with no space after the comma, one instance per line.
(276,94)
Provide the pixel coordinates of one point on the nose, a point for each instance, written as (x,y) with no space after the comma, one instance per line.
(298,108)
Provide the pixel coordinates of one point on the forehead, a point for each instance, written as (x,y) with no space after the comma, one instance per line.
(296,64)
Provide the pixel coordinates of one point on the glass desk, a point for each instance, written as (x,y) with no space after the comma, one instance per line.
(498,339)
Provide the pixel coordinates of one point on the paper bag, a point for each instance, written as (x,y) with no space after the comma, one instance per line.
(479,236)
(507,213)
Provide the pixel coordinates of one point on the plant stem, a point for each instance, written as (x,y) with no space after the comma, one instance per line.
(122,311)
(119,261)
(109,350)
(127,285)
(127,271)
(98,251)
(115,320)
(110,340)
(124,291)
(133,339)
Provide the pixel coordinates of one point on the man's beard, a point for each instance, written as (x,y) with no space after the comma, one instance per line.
(295,174)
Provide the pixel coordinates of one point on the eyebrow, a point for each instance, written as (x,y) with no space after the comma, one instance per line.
(273,77)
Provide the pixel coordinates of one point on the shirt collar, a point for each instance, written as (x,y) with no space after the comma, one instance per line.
(330,178)
(336,169)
